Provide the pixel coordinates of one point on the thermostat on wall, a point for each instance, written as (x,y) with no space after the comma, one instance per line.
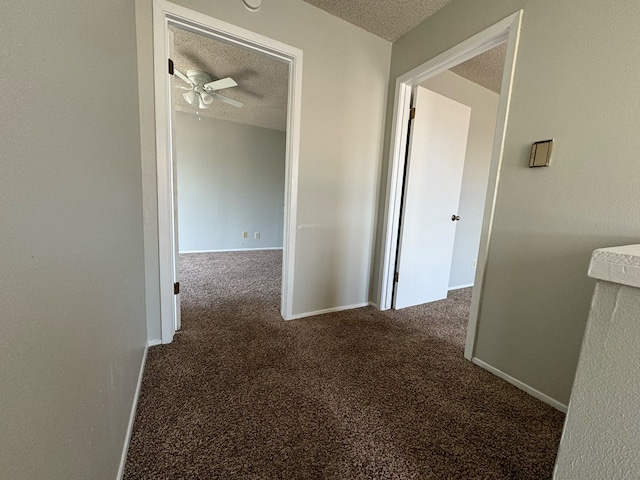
(540,154)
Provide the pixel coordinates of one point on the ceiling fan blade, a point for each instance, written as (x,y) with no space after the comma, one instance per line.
(228,100)
(183,77)
(220,84)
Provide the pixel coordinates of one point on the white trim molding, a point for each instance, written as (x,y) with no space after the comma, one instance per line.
(507,30)
(460,287)
(521,385)
(328,310)
(132,417)
(165,14)
(233,250)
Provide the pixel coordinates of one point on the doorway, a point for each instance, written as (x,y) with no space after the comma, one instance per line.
(229,120)
(167,15)
(506,31)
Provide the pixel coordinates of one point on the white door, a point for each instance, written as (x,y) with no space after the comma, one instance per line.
(433,179)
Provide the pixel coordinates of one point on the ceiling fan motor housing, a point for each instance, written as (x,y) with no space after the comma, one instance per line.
(198,77)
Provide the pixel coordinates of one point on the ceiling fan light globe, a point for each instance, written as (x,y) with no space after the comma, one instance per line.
(201,103)
(190,97)
(206,98)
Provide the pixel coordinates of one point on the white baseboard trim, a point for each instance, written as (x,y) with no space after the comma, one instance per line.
(459,287)
(374,305)
(328,310)
(153,342)
(232,250)
(132,417)
(521,385)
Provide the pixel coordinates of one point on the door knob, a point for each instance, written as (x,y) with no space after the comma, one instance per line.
(455,218)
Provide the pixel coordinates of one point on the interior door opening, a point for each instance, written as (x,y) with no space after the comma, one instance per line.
(398,235)
(165,16)
(229,121)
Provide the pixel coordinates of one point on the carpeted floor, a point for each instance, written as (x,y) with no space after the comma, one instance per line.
(361,394)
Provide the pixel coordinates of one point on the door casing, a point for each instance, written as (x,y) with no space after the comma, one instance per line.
(507,30)
(164,14)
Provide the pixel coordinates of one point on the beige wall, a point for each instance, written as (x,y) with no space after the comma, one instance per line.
(72,328)
(344,86)
(574,81)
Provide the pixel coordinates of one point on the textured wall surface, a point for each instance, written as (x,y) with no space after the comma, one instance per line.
(548,220)
(72,318)
(230,180)
(600,439)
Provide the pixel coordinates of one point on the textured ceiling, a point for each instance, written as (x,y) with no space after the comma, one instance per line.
(485,69)
(262,81)
(389,19)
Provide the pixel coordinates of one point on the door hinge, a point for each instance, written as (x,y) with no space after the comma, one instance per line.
(170,67)
(176,288)
(412,113)
(396,276)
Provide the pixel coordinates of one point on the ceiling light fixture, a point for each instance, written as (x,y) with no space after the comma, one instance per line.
(205,100)
(252,5)
(190,97)
(204,90)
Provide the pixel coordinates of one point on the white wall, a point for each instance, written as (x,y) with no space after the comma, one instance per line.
(340,145)
(574,68)
(72,328)
(600,438)
(230,180)
(484,109)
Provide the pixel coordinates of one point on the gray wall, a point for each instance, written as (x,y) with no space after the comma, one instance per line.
(72,284)
(484,108)
(230,180)
(340,146)
(573,82)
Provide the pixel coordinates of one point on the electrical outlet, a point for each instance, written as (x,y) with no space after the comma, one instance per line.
(245,234)
(473,264)
(256,235)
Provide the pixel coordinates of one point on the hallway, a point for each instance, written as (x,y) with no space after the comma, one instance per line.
(360,394)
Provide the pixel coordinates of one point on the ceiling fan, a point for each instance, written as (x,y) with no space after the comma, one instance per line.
(203,90)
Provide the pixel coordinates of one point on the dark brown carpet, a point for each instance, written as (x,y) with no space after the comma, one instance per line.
(362,394)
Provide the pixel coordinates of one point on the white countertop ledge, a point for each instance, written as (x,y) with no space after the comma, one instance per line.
(617,265)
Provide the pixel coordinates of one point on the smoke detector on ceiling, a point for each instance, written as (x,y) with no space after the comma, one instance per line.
(252,5)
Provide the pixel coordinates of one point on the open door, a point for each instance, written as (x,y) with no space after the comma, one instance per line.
(174,181)
(435,163)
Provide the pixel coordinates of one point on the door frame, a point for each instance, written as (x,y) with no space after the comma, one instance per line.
(165,14)
(506,30)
